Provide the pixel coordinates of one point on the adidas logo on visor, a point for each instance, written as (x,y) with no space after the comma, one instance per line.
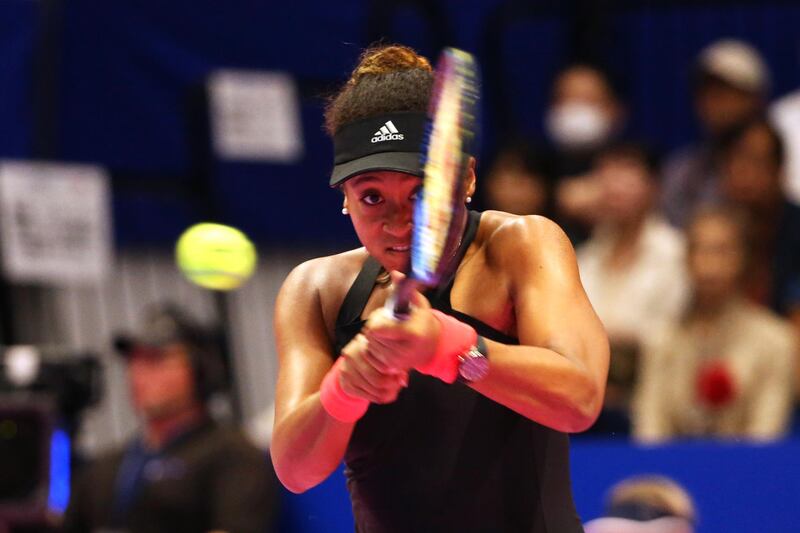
(388,132)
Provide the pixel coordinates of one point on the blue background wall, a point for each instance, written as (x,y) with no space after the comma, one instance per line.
(122,80)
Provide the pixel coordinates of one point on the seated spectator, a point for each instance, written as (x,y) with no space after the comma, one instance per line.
(182,472)
(584,115)
(752,163)
(753,156)
(646,504)
(517,182)
(725,368)
(730,85)
(632,267)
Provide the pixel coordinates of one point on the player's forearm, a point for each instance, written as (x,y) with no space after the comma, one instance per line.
(308,445)
(542,385)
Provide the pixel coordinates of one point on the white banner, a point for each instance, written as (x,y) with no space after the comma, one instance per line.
(255,116)
(55,222)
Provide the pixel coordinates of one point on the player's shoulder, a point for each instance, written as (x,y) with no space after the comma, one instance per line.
(323,280)
(321,272)
(508,234)
(320,284)
(501,225)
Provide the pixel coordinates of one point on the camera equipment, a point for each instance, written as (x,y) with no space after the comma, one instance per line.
(42,394)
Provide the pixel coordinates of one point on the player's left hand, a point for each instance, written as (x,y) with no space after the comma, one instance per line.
(402,345)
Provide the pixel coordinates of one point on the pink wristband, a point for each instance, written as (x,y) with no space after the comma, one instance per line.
(455,338)
(336,401)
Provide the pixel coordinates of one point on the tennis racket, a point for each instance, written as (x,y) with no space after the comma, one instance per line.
(448,144)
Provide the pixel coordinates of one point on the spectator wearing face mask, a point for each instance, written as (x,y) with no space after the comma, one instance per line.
(585,113)
(730,85)
(632,268)
(725,368)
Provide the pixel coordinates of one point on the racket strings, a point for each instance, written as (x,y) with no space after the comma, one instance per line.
(450,132)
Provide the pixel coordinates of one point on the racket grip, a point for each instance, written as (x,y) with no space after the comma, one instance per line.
(399,302)
(336,402)
(455,338)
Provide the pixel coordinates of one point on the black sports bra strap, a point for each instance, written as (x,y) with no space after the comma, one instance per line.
(442,293)
(356,299)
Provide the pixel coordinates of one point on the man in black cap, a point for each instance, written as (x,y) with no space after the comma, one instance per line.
(182,472)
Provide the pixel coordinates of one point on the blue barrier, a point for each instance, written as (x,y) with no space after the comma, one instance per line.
(741,488)
(736,487)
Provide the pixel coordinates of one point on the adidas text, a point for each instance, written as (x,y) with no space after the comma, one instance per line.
(387,137)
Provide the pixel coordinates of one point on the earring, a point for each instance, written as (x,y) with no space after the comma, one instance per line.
(469,199)
(345,211)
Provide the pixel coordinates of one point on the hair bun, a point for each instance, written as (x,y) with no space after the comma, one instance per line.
(387,79)
(385,59)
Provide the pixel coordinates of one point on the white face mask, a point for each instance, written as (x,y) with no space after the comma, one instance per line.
(577,125)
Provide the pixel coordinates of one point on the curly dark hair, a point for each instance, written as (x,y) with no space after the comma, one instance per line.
(387,79)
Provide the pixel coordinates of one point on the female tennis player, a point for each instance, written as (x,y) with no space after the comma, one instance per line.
(455,419)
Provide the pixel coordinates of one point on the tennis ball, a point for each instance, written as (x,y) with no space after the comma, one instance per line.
(215,256)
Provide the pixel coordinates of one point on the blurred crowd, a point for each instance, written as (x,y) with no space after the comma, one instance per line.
(691,259)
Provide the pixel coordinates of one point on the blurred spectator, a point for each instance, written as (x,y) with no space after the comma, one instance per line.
(518,183)
(785,114)
(752,161)
(183,472)
(632,267)
(731,82)
(752,156)
(724,369)
(585,113)
(646,504)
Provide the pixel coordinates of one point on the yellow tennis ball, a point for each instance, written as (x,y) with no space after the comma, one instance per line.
(215,256)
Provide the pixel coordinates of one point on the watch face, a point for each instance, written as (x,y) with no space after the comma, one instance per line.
(474,367)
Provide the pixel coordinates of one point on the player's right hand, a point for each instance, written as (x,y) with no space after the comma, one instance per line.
(360,378)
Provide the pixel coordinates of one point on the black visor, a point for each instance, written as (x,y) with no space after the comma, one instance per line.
(385,142)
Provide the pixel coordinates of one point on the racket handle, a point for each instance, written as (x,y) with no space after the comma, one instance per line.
(399,303)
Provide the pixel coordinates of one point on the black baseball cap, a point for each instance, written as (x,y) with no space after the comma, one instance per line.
(391,141)
(162,326)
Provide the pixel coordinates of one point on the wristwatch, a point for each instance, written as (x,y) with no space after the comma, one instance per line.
(473,365)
